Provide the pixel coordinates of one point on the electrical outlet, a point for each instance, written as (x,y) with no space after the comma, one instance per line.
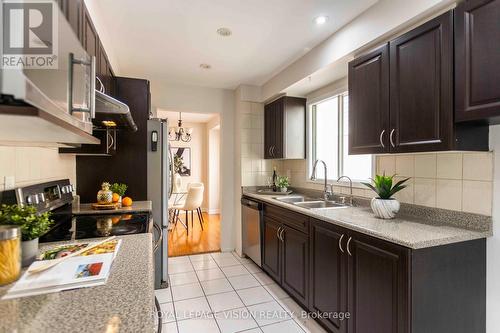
(10,182)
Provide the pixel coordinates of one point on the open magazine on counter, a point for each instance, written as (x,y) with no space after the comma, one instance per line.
(90,268)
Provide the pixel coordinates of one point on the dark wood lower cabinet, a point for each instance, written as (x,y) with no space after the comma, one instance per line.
(378,286)
(328,283)
(295,259)
(271,248)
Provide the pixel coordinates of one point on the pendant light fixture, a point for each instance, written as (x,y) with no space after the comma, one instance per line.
(180,133)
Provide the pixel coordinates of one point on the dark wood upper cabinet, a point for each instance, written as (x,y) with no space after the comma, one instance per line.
(90,38)
(74,16)
(420,114)
(369,102)
(285,128)
(421,90)
(328,281)
(477,61)
(295,263)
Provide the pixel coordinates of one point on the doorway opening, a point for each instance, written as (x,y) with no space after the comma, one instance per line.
(194,206)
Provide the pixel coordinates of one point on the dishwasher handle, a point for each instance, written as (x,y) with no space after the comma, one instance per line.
(251,204)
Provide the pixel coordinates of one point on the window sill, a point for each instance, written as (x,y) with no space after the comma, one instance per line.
(355,183)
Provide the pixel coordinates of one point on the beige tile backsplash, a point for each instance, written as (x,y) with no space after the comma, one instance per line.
(31,165)
(451,180)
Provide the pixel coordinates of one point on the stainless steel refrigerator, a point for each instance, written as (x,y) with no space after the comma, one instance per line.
(160,172)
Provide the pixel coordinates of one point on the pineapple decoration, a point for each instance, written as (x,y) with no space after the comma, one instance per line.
(105,195)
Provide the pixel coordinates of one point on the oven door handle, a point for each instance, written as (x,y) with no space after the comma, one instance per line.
(160,237)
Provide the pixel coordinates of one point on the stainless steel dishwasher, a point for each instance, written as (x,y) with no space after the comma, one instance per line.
(251,213)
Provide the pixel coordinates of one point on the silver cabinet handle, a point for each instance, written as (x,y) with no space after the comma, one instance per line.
(278,232)
(160,237)
(101,85)
(272,151)
(390,137)
(281,234)
(381,140)
(269,151)
(91,106)
(340,243)
(348,246)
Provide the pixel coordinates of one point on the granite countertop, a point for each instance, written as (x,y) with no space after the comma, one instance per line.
(137,207)
(124,304)
(416,231)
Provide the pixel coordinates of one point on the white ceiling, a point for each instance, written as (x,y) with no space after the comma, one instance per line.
(173,116)
(167,40)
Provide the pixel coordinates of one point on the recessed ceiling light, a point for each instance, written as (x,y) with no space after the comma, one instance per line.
(205,66)
(224,32)
(321,19)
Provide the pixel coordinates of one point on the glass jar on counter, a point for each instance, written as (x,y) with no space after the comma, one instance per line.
(10,254)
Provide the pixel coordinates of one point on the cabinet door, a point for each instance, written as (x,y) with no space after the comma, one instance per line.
(328,274)
(477,60)
(102,70)
(269,128)
(369,102)
(90,38)
(421,90)
(295,259)
(377,286)
(74,15)
(279,114)
(271,249)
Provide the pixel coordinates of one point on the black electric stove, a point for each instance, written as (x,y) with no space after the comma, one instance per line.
(56,197)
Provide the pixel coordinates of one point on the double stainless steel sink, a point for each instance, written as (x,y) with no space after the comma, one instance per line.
(311,203)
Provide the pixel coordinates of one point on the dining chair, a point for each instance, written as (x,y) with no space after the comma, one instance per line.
(200,214)
(194,199)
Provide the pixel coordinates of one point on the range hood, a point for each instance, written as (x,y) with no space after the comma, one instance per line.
(110,112)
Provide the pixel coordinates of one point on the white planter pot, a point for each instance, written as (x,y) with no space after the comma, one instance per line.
(385,208)
(29,251)
(283,189)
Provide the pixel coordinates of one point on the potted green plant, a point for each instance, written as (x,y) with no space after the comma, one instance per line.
(384,205)
(32,224)
(282,182)
(120,190)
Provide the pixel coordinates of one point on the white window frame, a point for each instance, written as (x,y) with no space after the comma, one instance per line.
(310,156)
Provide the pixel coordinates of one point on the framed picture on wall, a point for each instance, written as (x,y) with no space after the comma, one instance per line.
(182,160)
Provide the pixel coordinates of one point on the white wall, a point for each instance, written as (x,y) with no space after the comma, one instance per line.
(493,243)
(185,98)
(213,169)
(378,22)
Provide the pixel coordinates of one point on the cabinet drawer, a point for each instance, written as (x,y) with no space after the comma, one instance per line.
(292,219)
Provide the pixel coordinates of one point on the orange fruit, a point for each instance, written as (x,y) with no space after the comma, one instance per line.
(116,197)
(127,201)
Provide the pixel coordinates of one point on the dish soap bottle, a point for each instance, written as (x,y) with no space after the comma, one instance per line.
(274,180)
(105,196)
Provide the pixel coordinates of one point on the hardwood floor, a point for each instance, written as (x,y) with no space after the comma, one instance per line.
(198,241)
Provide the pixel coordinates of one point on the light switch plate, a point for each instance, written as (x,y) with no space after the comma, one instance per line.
(10,182)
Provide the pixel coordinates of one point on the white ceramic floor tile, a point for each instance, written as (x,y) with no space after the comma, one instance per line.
(234,270)
(251,296)
(309,325)
(200,257)
(253,330)
(276,291)
(180,268)
(210,274)
(167,312)
(204,264)
(183,278)
(293,308)
(163,295)
(235,320)
(192,308)
(186,291)
(178,260)
(243,281)
(268,313)
(205,325)
(224,301)
(169,328)
(225,262)
(222,255)
(252,268)
(263,278)
(244,260)
(288,326)
(218,286)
